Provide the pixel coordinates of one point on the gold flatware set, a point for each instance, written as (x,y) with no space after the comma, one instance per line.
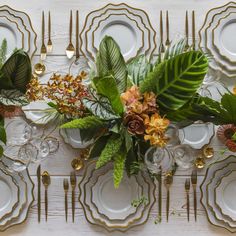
(187,37)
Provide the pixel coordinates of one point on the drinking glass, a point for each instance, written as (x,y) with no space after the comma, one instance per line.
(184,156)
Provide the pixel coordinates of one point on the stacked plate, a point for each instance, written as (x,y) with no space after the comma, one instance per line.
(16,28)
(130,27)
(16,195)
(112,208)
(217,38)
(218,193)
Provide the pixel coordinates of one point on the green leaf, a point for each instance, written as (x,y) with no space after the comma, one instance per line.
(175,50)
(107,87)
(13,97)
(99,106)
(84,123)
(16,72)
(3,52)
(138,69)
(111,149)
(181,77)
(98,146)
(1,151)
(119,165)
(110,61)
(3,136)
(234,137)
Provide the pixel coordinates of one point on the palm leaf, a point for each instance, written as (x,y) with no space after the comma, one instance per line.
(110,61)
(16,72)
(138,69)
(180,78)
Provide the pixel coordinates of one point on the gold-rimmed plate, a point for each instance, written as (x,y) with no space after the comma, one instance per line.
(90,218)
(23,19)
(225,195)
(207,192)
(9,194)
(139,15)
(206,39)
(112,25)
(10,31)
(120,211)
(27,197)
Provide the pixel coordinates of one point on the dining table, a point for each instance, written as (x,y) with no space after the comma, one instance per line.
(59,164)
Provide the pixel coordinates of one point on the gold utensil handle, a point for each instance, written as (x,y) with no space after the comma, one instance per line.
(39,203)
(77,35)
(167,204)
(66,206)
(71,26)
(49,25)
(73,205)
(160,198)
(46,204)
(193,29)
(187,205)
(43,28)
(195,203)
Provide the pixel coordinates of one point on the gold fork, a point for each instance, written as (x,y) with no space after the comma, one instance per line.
(66,189)
(73,185)
(168,182)
(162,48)
(43,51)
(187,188)
(49,44)
(194,184)
(167,30)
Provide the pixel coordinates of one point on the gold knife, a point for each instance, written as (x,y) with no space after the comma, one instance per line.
(39,192)
(186,31)
(193,30)
(77,36)
(162,48)
(194,184)
(168,182)
(66,188)
(187,188)
(159,178)
(73,185)
(167,30)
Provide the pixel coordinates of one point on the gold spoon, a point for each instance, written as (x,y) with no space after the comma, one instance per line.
(39,69)
(46,180)
(70,50)
(49,44)
(43,51)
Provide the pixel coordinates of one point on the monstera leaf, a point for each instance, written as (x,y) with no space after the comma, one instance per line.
(175,81)
(16,72)
(110,61)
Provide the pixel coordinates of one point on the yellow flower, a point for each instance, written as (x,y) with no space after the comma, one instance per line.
(156,123)
(156,139)
(136,107)
(131,95)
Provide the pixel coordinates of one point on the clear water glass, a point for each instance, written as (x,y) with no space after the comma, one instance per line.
(184,156)
(53,144)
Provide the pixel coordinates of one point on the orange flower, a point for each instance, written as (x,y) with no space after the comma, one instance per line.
(136,107)
(156,139)
(131,95)
(156,123)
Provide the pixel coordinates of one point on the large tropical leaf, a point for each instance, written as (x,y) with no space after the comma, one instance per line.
(16,72)
(99,106)
(13,97)
(3,52)
(110,61)
(110,91)
(138,69)
(175,50)
(180,78)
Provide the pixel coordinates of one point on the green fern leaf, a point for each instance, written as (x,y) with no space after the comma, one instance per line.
(111,149)
(119,166)
(84,123)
